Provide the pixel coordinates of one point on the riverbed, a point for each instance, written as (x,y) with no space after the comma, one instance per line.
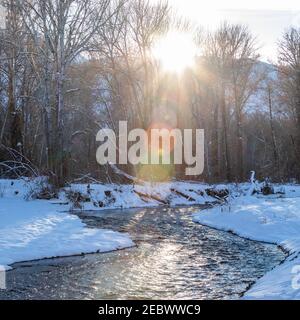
(174,258)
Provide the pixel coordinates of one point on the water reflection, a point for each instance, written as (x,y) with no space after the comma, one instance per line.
(174,258)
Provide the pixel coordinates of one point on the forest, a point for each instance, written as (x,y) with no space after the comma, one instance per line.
(69,68)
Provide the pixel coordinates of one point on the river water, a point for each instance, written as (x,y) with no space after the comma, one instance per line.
(175,258)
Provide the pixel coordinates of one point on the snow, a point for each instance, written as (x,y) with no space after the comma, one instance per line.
(273,219)
(125,196)
(37,229)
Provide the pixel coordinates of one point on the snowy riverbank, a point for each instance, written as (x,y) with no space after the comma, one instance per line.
(112,196)
(35,229)
(269,219)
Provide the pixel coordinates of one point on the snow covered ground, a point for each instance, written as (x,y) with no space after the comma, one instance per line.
(35,229)
(274,219)
(111,196)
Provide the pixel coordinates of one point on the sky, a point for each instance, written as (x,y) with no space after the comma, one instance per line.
(266,19)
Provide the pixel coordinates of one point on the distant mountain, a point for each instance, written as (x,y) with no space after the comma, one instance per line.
(258,101)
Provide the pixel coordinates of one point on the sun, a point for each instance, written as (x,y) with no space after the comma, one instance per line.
(175,52)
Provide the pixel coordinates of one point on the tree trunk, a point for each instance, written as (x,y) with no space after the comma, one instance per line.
(225,137)
(214,143)
(274,142)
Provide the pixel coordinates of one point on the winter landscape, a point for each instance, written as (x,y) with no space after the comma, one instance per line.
(149,150)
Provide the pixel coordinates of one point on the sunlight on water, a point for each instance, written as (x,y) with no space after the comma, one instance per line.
(174,259)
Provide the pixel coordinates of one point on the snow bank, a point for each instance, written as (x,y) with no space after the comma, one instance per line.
(269,219)
(38,229)
(112,196)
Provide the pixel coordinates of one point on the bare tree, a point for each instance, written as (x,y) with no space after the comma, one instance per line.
(63,31)
(231,55)
(289,65)
(13,40)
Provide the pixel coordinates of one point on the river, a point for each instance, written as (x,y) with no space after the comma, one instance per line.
(174,258)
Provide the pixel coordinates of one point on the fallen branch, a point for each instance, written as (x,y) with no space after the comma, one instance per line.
(87,177)
(220,195)
(126,175)
(151,197)
(179,193)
